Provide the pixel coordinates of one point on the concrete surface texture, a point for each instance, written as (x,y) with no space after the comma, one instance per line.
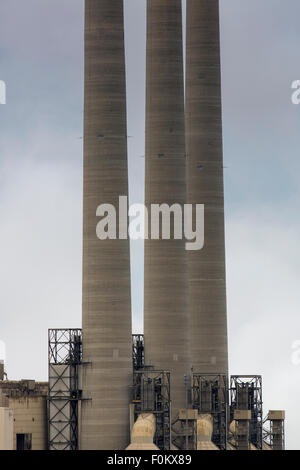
(6,429)
(27,402)
(30,417)
(206,267)
(106,317)
(165,313)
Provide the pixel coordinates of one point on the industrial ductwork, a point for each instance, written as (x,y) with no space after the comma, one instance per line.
(142,434)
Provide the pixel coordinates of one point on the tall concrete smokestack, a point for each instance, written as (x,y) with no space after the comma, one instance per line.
(166,326)
(106,268)
(206,268)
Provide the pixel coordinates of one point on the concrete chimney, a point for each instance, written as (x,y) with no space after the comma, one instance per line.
(206,268)
(165,314)
(106,319)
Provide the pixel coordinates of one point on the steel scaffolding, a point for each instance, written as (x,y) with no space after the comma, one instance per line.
(64,358)
(138,356)
(246,394)
(151,394)
(274,430)
(210,395)
(277,434)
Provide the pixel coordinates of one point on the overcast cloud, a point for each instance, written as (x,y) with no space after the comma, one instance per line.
(41,61)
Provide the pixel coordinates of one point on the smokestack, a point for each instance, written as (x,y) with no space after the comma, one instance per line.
(106,318)
(206,268)
(165,315)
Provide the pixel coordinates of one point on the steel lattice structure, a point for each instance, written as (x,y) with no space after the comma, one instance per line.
(138,350)
(210,395)
(151,394)
(246,394)
(274,430)
(64,357)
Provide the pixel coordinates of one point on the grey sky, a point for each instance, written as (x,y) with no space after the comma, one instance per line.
(41,61)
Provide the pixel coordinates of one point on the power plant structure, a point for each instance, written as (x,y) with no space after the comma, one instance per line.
(170,388)
(203,113)
(106,315)
(166,319)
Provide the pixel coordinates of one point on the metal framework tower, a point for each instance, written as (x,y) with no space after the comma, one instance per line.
(274,430)
(106,317)
(277,433)
(184,430)
(151,394)
(165,314)
(64,360)
(241,434)
(206,267)
(210,395)
(246,394)
(138,352)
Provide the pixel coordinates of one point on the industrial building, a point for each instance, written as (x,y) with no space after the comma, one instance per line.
(23,414)
(168,389)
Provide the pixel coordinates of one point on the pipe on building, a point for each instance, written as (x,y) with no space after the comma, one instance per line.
(142,434)
(204,433)
(206,267)
(106,317)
